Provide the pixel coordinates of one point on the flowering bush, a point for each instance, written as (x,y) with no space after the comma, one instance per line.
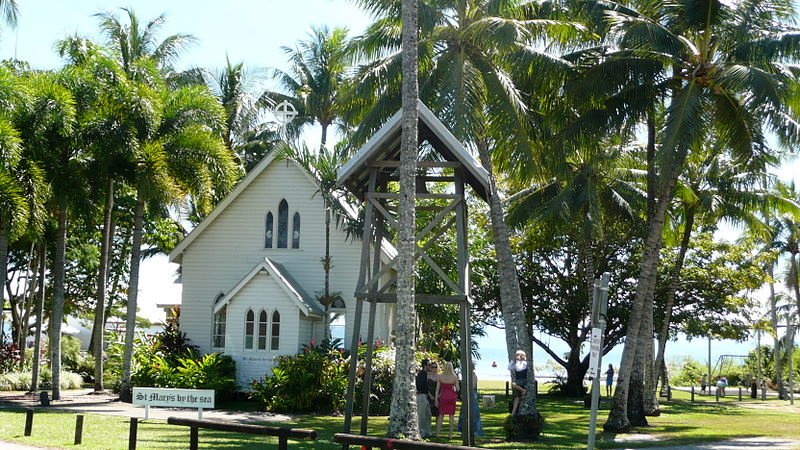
(9,357)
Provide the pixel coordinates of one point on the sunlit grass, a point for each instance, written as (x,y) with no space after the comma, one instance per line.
(682,422)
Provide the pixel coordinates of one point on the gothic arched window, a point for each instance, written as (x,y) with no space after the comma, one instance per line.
(262,330)
(296,230)
(276,331)
(268,231)
(249,328)
(283,223)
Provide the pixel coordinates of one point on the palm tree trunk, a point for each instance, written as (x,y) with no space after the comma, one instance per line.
(651,407)
(37,342)
(133,292)
(3,258)
(517,337)
(57,314)
(326,325)
(102,278)
(776,342)
(403,413)
(324,138)
(32,276)
(617,421)
(672,288)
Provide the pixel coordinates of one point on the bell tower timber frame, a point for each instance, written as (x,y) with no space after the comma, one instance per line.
(372,176)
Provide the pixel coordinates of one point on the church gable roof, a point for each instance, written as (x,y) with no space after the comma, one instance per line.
(307,304)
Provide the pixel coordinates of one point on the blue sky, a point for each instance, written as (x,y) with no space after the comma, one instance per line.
(250,31)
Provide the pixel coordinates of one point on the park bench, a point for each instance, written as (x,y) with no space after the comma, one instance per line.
(370,442)
(283,434)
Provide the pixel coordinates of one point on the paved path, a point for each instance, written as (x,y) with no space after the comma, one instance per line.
(752,443)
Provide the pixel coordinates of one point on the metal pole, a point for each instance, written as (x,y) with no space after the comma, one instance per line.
(790,341)
(710,380)
(599,307)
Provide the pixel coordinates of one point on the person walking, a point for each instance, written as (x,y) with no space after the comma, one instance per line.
(703,384)
(446,396)
(423,407)
(609,379)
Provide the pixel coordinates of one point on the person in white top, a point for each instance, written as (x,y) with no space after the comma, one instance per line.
(519,377)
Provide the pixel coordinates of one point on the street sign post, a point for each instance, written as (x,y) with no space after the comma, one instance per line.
(599,308)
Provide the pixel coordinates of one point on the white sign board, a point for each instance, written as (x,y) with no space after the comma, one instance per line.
(173,398)
(594,352)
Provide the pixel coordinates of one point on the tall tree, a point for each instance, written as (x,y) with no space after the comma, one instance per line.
(317,81)
(469,52)
(403,412)
(50,120)
(724,69)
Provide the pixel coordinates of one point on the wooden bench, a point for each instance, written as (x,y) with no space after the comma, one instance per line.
(370,442)
(283,434)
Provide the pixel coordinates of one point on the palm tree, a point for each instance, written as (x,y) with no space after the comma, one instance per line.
(721,67)
(182,154)
(9,12)
(317,81)
(246,131)
(468,54)
(322,166)
(133,42)
(49,135)
(714,189)
(403,413)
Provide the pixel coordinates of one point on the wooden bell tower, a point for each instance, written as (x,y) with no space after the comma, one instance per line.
(372,175)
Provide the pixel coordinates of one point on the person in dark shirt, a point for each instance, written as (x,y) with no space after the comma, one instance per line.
(423,407)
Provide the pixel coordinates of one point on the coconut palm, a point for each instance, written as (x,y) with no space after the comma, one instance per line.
(134,42)
(9,12)
(724,70)
(469,53)
(403,413)
(317,81)
(711,189)
(247,132)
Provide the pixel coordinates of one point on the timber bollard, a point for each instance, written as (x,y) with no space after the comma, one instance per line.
(763,392)
(78,429)
(28,422)
(669,393)
(692,394)
(194,439)
(740,394)
(506,389)
(132,433)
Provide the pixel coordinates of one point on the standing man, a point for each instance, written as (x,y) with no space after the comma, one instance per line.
(423,407)
(609,379)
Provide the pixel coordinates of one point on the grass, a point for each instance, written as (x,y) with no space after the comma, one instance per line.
(566,426)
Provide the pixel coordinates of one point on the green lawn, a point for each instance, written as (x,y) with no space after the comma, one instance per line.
(566,427)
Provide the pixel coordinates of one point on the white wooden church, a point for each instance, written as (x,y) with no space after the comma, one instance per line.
(251,272)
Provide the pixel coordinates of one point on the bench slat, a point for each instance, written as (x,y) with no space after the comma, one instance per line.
(244,428)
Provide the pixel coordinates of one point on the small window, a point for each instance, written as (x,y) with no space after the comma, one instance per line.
(262,330)
(276,331)
(249,328)
(296,230)
(268,231)
(218,333)
(283,224)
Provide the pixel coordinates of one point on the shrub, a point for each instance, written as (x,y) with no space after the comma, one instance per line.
(21,381)
(313,381)
(9,357)
(689,373)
